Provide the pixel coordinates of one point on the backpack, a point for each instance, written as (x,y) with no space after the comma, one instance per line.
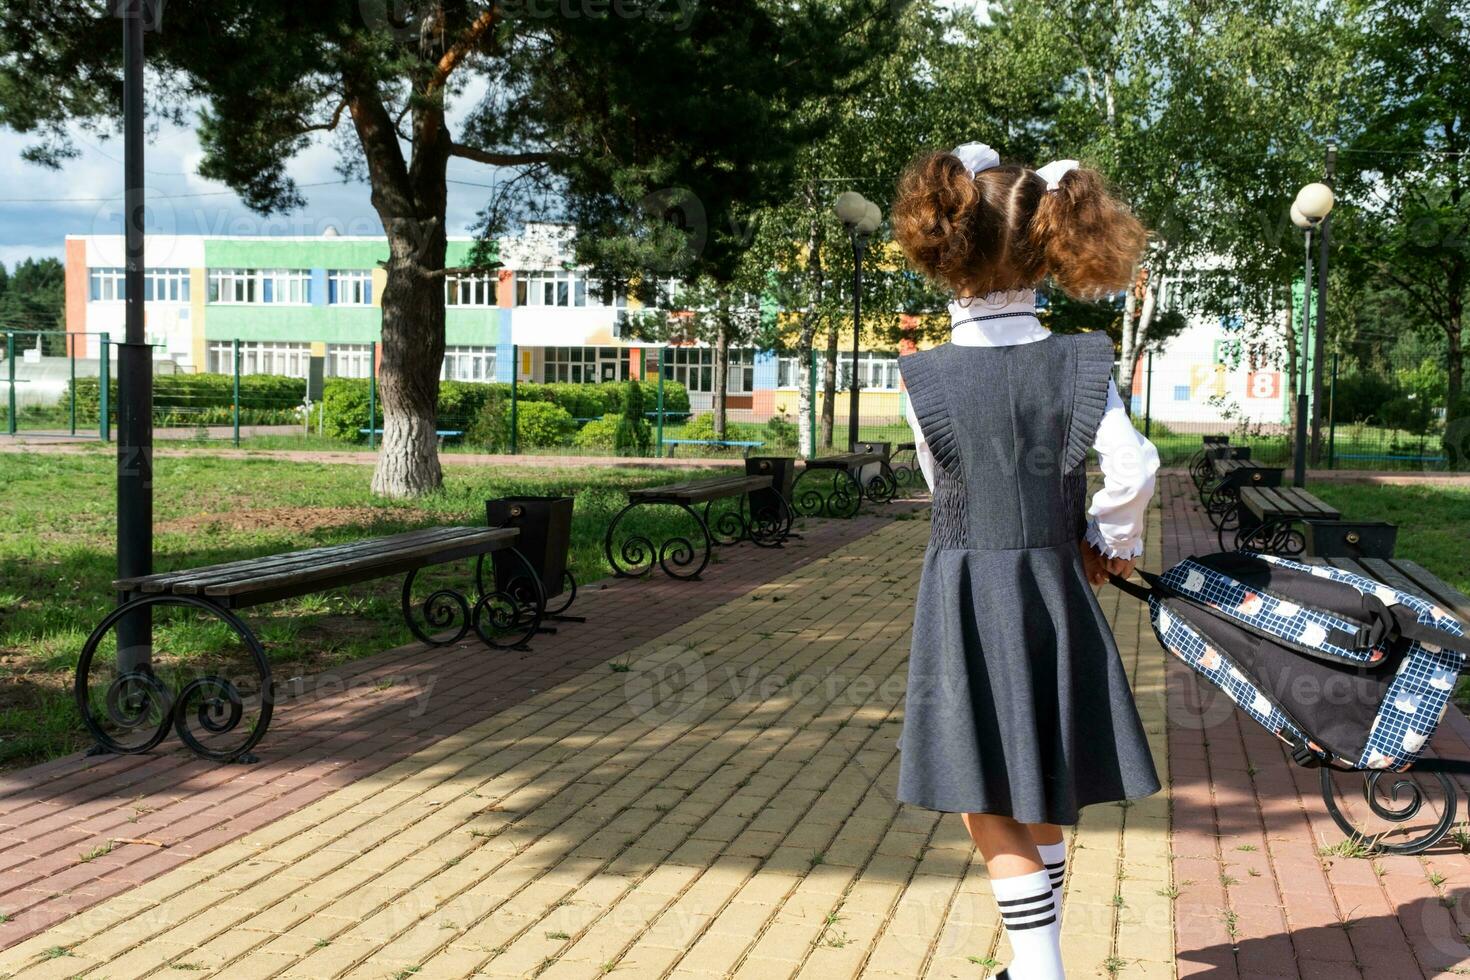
(1348,672)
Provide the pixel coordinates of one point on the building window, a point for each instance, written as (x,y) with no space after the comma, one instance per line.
(166,285)
(470,290)
(468,364)
(281,286)
(875,370)
(574,364)
(349,360)
(692,367)
(563,288)
(350,287)
(262,357)
(1181,393)
(742,372)
(788,372)
(107,285)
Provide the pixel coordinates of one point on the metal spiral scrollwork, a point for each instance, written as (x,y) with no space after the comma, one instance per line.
(569,590)
(676,554)
(1393,811)
(136,709)
(443,609)
(728,527)
(210,708)
(769,525)
(1277,536)
(883,486)
(840,499)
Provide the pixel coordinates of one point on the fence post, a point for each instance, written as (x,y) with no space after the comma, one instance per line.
(811,408)
(104,381)
(373,395)
(236,409)
(515,374)
(1332,417)
(71,357)
(10,368)
(1148,396)
(658,450)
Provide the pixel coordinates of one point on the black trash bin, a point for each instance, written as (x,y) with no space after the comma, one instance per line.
(1351,539)
(545,540)
(772,507)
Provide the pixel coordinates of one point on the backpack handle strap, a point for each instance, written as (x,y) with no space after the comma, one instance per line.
(1398,620)
(1156,588)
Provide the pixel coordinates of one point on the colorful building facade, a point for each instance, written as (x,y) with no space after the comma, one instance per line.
(286,299)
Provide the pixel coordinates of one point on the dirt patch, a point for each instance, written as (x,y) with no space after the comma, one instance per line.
(290,519)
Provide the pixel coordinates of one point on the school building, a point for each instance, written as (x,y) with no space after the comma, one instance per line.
(289,298)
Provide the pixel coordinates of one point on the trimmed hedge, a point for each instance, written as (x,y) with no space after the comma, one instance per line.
(208,399)
(205,399)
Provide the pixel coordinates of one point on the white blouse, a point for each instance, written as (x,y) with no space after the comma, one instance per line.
(1128,461)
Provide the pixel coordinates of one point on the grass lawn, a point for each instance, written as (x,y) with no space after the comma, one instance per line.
(1434,530)
(1434,521)
(57,535)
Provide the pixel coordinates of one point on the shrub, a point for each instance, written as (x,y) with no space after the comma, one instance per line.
(345,408)
(702,426)
(205,399)
(781,431)
(542,424)
(632,437)
(599,434)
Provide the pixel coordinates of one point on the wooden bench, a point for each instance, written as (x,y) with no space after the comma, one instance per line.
(637,553)
(130,712)
(1270,519)
(1221,493)
(443,434)
(851,477)
(745,444)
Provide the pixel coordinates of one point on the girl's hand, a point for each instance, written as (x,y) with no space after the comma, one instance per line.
(1121,567)
(1093,564)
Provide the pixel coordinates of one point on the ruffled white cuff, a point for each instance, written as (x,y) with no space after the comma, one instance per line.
(1130,547)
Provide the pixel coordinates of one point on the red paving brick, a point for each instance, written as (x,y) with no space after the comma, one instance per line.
(330,730)
(1258,895)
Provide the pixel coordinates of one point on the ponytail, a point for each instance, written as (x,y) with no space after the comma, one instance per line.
(943,222)
(1088,240)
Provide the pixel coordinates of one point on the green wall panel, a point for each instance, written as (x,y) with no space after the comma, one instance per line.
(286,253)
(336,325)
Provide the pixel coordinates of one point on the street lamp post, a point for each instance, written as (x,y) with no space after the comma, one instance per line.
(1313,204)
(861,217)
(134,356)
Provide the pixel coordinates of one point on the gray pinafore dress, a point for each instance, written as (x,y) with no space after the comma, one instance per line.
(1017,702)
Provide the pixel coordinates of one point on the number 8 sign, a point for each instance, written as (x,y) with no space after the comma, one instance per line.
(1263,384)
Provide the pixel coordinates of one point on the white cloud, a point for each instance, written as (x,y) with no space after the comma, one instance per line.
(40,207)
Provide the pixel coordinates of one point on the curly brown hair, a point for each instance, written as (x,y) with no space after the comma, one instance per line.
(1001,229)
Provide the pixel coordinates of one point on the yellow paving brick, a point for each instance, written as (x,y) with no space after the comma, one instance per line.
(750,833)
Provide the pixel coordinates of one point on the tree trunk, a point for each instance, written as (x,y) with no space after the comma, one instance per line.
(805,346)
(722,376)
(408,379)
(1128,354)
(829,389)
(1456,427)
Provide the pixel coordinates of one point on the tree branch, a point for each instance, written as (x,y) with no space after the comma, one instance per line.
(498,159)
(461,48)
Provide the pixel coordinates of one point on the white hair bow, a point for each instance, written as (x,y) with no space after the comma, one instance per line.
(976,157)
(1053,172)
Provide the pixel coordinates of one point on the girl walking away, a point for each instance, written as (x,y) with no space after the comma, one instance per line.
(1018,712)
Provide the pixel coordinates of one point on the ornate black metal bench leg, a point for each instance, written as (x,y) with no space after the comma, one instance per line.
(570,591)
(1403,784)
(729,526)
(842,499)
(508,619)
(209,706)
(638,554)
(770,525)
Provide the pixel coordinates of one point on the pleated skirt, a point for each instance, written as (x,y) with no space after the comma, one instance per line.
(1017,701)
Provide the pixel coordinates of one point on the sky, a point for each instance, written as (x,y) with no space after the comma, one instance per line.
(39,207)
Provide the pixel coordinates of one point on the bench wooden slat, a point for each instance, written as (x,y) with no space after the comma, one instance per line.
(843,460)
(164,581)
(311,578)
(1445,595)
(701,491)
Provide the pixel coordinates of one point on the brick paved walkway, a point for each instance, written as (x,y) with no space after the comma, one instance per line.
(1265,887)
(714,801)
(334,729)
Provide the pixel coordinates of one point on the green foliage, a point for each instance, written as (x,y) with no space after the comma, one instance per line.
(599,434)
(32,297)
(702,426)
(780,431)
(632,437)
(541,425)
(206,399)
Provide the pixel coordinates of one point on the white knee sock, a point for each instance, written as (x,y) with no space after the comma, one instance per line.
(1054,856)
(1029,914)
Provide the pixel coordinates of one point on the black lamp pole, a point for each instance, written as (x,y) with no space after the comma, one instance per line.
(1299,451)
(134,357)
(859,246)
